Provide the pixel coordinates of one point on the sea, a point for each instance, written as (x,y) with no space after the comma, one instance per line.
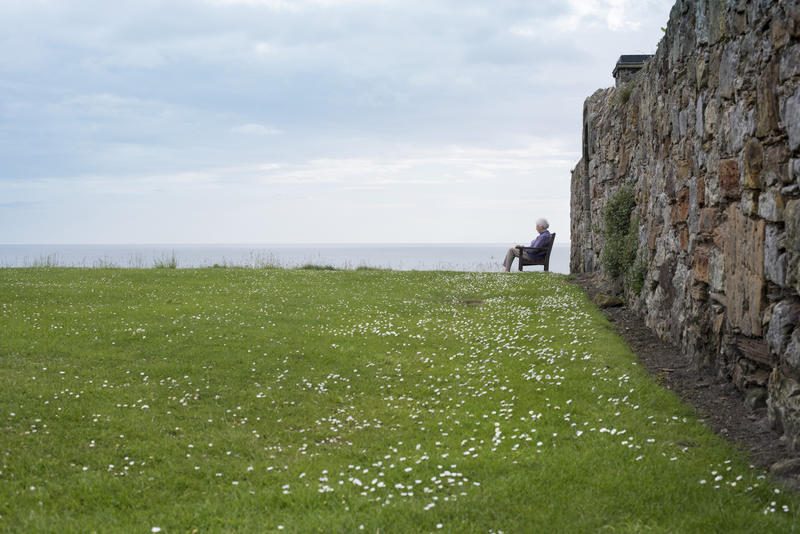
(486,257)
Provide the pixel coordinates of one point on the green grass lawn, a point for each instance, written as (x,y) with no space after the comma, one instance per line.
(252,400)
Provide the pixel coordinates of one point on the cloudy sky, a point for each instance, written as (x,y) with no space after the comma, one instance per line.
(300,121)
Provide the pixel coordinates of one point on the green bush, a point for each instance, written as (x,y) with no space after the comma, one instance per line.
(636,276)
(624,94)
(619,249)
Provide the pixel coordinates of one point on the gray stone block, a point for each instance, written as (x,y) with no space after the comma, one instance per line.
(774,257)
(791,119)
(785,316)
(790,63)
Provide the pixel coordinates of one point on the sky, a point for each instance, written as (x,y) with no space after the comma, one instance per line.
(300,121)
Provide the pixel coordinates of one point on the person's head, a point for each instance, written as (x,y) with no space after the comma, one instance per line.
(542,224)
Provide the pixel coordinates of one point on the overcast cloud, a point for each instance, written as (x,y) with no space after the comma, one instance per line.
(288,121)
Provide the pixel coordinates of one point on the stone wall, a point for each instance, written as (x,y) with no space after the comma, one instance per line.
(708,137)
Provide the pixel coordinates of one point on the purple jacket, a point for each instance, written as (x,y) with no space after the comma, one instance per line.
(542,240)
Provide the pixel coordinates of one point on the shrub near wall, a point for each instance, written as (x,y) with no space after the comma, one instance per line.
(709,139)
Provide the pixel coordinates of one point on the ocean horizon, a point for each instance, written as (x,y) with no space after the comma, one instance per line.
(481,257)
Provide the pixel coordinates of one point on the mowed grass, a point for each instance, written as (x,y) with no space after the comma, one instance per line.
(252,400)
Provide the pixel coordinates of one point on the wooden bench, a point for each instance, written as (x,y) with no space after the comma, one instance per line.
(544,261)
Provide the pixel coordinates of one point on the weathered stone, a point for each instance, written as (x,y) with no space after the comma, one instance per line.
(744,272)
(608,301)
(681,210)
(778,34)
(785,317)
(792,19)
(767,101)
(792,354)
(790,62)
(774,168)
(716,21)
(716,272)
(792,243)
(729,178)
(742,120)
(753,160)
(701,265)
(710,118)
(783,405)
(698,117)
(683,237)
(727,70)
(785,468)
(793,171)
(749,204)
(770,205)
(791,118)
(701,191)
(708,218)
(774,259)
(756,397)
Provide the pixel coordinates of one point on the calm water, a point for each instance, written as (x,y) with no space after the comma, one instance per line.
(455,257)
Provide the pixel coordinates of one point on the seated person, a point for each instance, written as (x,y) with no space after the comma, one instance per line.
(542,240)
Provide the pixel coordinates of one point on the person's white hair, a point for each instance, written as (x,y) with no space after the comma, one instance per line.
(543,223)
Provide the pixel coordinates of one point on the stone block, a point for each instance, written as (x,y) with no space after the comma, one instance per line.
(720,236)
(792,19)
(790,63)
(774,257)
(701,191)
(778,35)
(701,265)
(728,69)
(753,161)
(793,171)
(749,204)
(699,295)
(710,116)
(708,221)
(716,273)
(744,272)
(792,243)
(791,118)
(785,317)
(683,237)
(698,117)
(783,405)
(792,354)
(771,206)
(767,101)
(716,21)
(729,178)
(742,120)
(652,235)
(756,397)
(719,322)
(680,211)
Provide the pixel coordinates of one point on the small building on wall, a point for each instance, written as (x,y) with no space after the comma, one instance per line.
(628,66)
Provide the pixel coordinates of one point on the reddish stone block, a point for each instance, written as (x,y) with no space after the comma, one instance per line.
(729,179)
(682,211)
(753,160)
(701,266)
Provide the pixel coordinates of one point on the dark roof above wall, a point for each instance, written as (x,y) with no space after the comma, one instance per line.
(630,64)
(633,59)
